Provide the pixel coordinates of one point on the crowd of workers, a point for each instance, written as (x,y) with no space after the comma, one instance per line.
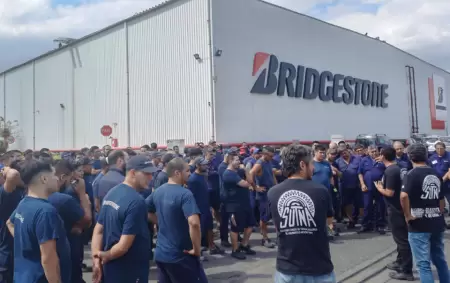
(137,206)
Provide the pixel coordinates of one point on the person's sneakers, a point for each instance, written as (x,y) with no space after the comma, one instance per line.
(351,225)
(225,244)
(238,255)
(330,234)
(364,230)
(394,266)
(381,231)
(247,250)
(239,238)
(203,258)
(401,276)
(216,251)
(267,243)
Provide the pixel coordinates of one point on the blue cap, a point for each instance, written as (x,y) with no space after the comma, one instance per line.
(200,161)
(141,163)
(256,150)
(232,150)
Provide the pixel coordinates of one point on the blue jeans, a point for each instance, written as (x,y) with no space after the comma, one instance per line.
(283,278)
(427,248)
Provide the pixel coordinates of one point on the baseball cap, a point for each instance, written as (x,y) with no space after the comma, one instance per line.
(255,150)
(232,151)
(200,161)
(141,163)
(156,154)
(84,161)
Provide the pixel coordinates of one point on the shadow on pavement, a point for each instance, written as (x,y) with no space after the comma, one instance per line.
(226,259)
(356,236)
(235,277)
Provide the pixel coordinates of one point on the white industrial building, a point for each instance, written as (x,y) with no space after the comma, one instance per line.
(185,70)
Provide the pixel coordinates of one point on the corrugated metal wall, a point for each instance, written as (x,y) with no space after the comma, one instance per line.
(169,89)
(100,88)
(53,101)
(19,105)
(79,89)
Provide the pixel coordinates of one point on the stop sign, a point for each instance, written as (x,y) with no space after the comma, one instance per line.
(106,131)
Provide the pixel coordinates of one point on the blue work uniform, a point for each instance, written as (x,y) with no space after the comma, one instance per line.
(36,222)
(114,177)
(8,203)
(224,216)
(349,183)
(173,205)
(124,213)
(198,186)
(441,164)
(214,183)
(403,162)
(71,212)
(372,171)
(267,181)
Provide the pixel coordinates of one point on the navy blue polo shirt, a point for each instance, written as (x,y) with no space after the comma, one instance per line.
(113,178)
(36,222)
(71,212)
(349,178)
(160,179)
(266,179)
(199,187)
(173,204)
(95,184)
(124,213)
(441,164)
(322,173)
(8,203)
(238,198)
(403,162)
(220,169)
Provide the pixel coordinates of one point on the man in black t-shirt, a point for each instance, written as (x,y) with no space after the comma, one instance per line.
(390,187)
(300,208)
(422,200)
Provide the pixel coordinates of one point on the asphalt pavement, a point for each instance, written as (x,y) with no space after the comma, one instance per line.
(352,254)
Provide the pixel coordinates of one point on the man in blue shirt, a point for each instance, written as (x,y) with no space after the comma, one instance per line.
(161,177)
(323,174)
(199,187)
(41,248)
(121,239)
(116,173)
(95,184)
(237,204)
(11,193)
(178,247)
(74,207)
(348,166)
(224,215)
(262,179)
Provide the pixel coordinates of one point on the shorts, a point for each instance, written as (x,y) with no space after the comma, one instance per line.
(214,199)
(351,196)
(243,219)
(189,269)
(264,210)
(206,221)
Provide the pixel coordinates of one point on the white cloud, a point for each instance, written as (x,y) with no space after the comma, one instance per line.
(27,27)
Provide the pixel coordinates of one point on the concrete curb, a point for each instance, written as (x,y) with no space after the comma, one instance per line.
(366,265)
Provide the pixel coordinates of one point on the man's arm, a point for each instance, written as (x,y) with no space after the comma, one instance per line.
(191,212)
(48,230)
(256,170)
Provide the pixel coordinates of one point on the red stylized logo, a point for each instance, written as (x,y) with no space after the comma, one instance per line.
(258,61)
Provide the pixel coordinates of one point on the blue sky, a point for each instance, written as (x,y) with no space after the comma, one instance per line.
(28,27)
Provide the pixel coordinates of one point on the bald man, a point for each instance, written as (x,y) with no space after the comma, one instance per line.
(401,158)
(333,145)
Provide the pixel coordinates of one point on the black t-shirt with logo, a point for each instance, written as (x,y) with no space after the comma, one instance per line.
(425,191)
(300,209)
(392,180)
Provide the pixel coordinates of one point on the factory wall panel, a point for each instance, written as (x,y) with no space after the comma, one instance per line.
(299,40)
(54,101)
(169,89)
(19,105)
(100,87)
